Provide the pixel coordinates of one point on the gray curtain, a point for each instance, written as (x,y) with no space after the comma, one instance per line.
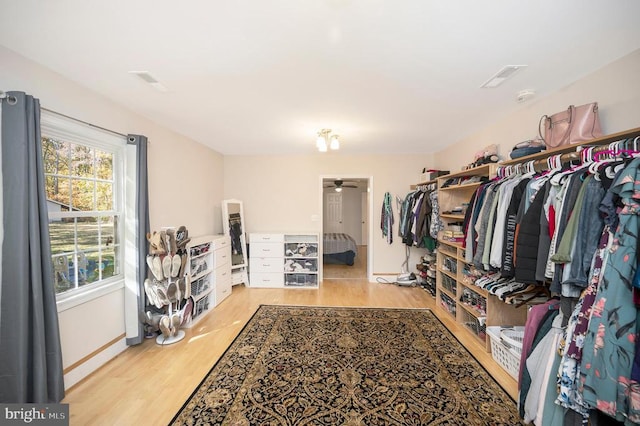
(142,218)
(31,357)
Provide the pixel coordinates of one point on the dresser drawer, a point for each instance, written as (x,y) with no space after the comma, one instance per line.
(266,238)
(267,279)
(265,264)
(223,289)
(222,274)
(267,250)
(221,257)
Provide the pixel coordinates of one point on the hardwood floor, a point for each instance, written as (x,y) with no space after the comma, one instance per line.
(358,270)
(147,384)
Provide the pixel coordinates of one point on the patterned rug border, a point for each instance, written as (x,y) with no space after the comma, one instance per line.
(182,407)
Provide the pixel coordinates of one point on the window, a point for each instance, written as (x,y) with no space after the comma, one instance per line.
(83,169)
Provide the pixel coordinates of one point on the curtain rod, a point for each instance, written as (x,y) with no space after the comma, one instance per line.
(83,122)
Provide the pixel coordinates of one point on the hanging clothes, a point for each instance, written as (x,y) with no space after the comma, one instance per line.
(386,218)
(606,365)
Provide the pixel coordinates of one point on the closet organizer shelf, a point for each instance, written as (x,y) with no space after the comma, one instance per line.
(497,312)
(210,286)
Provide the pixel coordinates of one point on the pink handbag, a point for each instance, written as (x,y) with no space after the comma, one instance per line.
(574,125)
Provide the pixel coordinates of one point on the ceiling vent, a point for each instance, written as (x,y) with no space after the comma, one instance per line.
(498,78)
(148,78)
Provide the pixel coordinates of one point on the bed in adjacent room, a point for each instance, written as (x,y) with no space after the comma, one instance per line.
(339,249)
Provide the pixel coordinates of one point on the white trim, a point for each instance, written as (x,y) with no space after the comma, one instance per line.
(91,213)
(93,363)
(1,206)
(87,293)
(69,130)
(130,249)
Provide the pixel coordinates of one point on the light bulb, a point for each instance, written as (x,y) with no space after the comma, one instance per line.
(320,141)
(322,147)
(335,143)
(338,189)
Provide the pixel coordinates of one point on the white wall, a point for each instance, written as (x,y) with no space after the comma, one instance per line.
(284,193)
(616,88)
(185,188)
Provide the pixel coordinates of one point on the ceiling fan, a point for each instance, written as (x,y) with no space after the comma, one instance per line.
(338,184)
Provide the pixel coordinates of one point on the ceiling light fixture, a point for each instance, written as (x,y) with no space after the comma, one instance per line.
(326,141)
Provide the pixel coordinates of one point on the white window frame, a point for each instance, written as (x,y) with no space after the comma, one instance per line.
(60,127)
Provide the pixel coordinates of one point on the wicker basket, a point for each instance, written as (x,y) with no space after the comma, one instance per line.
(506,354)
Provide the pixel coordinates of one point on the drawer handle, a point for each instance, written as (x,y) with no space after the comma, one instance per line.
(266,281)
(268,264)
(266,249)
(224,274)
(266,238)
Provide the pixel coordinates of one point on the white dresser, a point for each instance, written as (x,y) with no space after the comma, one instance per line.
(283,260)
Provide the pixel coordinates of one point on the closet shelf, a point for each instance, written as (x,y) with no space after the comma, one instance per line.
(614,137)
(201,274)
(447,273)
(473,311)
(448,293)
(467,186)
(453,216)
(481,291)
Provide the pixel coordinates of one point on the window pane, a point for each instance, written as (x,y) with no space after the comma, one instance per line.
(57,190)
(104,164)
(107,230)
(104,194)
(87,234)
(109,264)
(82,161)
(63,273)
(55,155)
(61,234)
(82,194)
(92,267)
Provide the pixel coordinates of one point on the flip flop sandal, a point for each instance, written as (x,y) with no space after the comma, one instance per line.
(187,310)
(165,326)
(161,293)
(172,292)
(157,268)
(176,320)
(182,236)
(171,241)
(150,292)
(176,263)
(182,288)
(183,265)
(150,262)
(187,286)
(166,265)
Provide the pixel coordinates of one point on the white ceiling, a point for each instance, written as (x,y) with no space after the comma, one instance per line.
(262,76)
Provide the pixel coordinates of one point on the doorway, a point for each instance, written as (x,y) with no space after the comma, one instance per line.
(346,222)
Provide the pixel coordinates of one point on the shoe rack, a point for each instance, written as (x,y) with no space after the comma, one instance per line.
(167,285)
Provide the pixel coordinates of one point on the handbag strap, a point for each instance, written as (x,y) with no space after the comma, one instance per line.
(567,132)
(542,119)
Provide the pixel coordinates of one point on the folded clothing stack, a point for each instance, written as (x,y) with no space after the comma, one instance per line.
(528,147)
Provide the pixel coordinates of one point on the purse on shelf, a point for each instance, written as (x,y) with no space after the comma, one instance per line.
(574,125)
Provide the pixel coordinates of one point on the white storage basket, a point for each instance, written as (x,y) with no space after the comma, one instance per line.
(506,347)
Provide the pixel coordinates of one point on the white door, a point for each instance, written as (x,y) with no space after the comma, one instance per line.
(365,217)
(333,212)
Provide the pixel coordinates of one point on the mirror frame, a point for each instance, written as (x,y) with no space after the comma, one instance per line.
(227,230)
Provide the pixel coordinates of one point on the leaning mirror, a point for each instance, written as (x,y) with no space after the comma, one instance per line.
(233,226)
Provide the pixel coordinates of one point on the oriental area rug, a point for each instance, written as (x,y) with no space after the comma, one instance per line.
(346,366)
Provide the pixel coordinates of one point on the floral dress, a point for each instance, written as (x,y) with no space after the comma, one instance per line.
(609,346)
